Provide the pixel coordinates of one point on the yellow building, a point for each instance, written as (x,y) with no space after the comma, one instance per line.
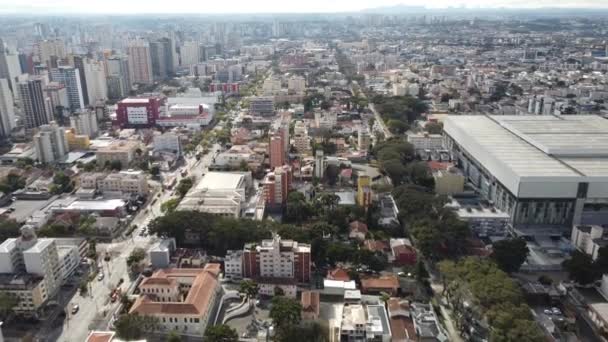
(364,191)
(76,141)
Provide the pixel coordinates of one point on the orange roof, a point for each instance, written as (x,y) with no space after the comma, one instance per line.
(100,336)
(403,328)
(198,298)
(384,282)
(338,274)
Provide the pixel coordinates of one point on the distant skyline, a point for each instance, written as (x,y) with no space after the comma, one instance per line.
(265,6)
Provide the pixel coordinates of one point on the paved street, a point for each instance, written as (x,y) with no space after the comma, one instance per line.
(95,308)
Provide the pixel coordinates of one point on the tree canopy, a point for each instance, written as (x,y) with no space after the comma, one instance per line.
(494,296)
(510,254)
(285,314)
(132,326)
(215,234)
(221,333)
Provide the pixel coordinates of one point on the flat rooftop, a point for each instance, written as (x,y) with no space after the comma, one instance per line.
(555,152)
(222,180)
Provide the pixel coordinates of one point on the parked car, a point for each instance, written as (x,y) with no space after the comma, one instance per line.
(100,277)
(75,309)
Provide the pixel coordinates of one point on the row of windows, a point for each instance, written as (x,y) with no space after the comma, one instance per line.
(175,320)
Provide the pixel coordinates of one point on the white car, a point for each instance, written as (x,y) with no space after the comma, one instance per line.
(100,277)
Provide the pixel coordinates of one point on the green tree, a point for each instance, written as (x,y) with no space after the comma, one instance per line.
(115,165)
(12,182)
(285,313)
(510,254)
(397,126)
(581,269)
(155,170)
(173,336)
(305,332)
(62,183)
(421,273)
(184,186)
(434,127)
(298,210)
(170,205)
(8,228)
(132,326)
(249,288)
(221,333)
(135,258)
(8,302)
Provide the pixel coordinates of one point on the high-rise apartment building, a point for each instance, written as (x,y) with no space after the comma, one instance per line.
(58,95)
(276,258)
(10,67)
(50,143)
(79,62)
(277,151)
(85,123)
(35,105)
(95,76)
(70,78)
(162,53)
(140,62)
(118,77)
(189,54)
(49,51)
(7,109)
(276,186)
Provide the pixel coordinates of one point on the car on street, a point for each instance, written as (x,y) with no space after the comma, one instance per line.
(75,309)
(100,277)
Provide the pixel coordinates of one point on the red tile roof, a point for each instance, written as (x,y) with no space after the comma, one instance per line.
(100,336)
(198,299)
(384,282)
(338,274)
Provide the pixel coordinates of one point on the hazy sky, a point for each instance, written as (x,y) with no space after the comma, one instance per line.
(261,6)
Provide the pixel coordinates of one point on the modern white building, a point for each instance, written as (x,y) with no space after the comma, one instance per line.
(7,109)
(541,170)
(95,75)
(219,193)
(168,142)
(85,123)
(50,143)
(363,138)
(233,264)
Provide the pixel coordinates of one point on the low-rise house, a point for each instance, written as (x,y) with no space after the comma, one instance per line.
(401,321)
(358,230)
(402,252)
(376,285)
(338,273)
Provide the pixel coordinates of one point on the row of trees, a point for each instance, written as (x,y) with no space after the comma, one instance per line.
(496,299)
(399,112)
(215,234)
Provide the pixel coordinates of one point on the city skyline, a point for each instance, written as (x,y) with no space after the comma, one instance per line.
(274,6)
